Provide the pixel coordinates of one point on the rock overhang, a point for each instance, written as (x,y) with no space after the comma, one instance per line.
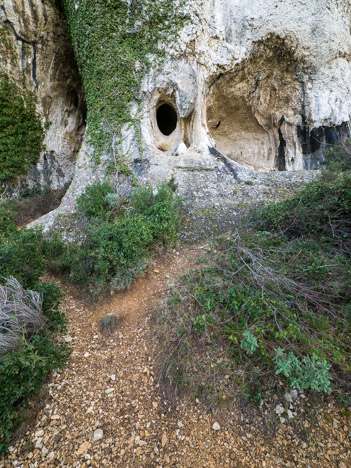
(248,88)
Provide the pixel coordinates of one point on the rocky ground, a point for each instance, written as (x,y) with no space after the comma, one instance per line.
(106,408)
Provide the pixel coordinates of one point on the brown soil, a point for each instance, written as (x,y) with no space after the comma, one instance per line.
(109,384)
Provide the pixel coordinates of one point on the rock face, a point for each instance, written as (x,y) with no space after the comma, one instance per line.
(36,53)
(266,83)
(246,87)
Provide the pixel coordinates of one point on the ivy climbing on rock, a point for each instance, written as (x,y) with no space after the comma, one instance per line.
(21,132)
(115,43)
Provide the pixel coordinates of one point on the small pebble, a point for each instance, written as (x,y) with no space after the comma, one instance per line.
(216,426)
(98,434)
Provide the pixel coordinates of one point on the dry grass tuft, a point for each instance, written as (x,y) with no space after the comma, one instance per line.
(20,314)
(108,324)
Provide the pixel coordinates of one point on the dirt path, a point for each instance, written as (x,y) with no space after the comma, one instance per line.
(109,390)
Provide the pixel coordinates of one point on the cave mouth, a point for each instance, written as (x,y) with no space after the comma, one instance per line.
(167,119)
(236,131)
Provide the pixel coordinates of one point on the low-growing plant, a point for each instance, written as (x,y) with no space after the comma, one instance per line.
(22,374)
(21,256)
(249,343)
(27,361)
(323,208)
(7,225)
(108,324)
(338,156)
(310,372)
(271,306)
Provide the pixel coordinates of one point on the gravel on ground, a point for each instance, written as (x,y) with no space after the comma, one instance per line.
(106,407)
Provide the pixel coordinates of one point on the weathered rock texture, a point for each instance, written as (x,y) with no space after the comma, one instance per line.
(248,86)
(262,81)
(36,53)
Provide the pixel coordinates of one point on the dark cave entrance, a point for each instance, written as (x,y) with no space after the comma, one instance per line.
(167,119)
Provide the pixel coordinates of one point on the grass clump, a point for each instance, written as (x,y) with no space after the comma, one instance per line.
(29,322)
(271,307)
(20,313)
(108,324)
(120,236)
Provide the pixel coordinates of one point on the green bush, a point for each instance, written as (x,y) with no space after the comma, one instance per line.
(338,156)
(23,370)
(21,257)
(7,225)
(120,237)
(22,373)
(21,133)
(110,251)
(322,208)
(94,202)
(56,321)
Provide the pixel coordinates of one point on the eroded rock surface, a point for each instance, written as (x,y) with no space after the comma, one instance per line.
(266,83)
(246,87)
(36,53)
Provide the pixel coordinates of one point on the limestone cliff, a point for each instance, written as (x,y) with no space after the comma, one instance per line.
(37,56)
(209,92)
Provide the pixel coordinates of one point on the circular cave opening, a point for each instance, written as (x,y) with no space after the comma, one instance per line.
(167,118)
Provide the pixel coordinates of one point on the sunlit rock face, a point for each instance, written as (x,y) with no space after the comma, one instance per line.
(265,82)
(37,55)
(248,88)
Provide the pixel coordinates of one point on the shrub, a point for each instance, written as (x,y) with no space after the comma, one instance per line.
(7,225)
(22,373)
(25,254)
(322,208)
(338,156)
(117,248)
(35,354)
(21,257)
(95,202)
(55,321)
(29,321)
